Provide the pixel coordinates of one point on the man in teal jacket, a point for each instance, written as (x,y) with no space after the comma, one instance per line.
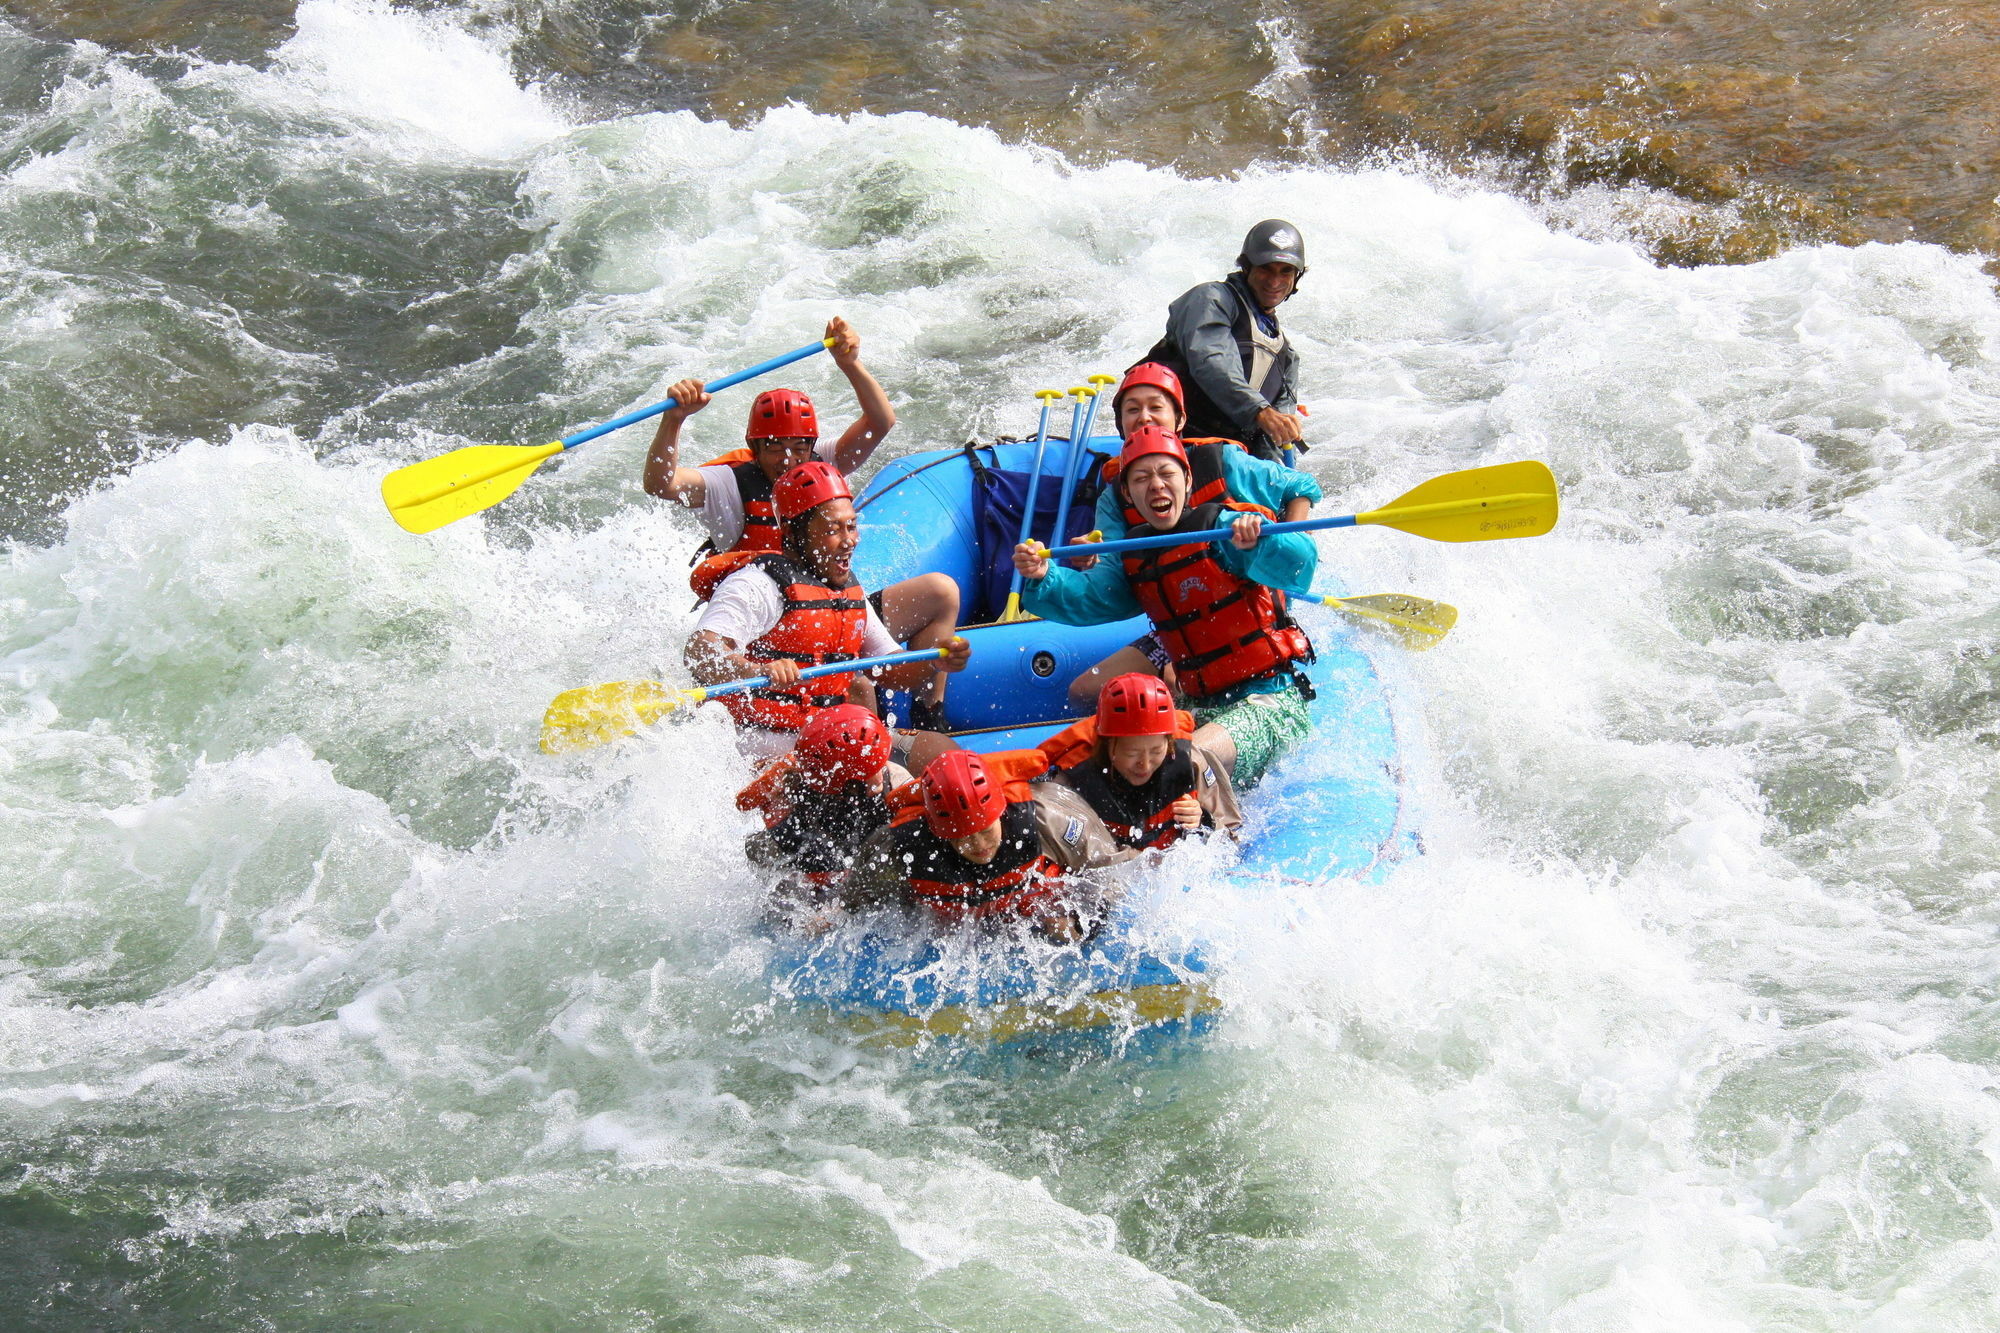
(1236,656)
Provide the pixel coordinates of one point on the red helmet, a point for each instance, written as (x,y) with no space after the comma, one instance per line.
(842,744)
(1152,440)
(1135,704)
(1157,375)
(808,486)
(960,796)
(782,414)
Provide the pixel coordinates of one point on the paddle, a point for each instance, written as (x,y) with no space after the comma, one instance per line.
(1414,622)
(1079,439)
(1048,397)
(598,714)
(1478,505)
(425,496)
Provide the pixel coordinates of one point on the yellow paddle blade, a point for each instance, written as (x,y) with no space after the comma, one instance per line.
(1478,505)
(1414,622)
(425,496)
(599,714)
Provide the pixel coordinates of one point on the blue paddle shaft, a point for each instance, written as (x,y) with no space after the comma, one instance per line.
(761,368)
(1034,484)
(1076,434)
(828,669)
(1158,539)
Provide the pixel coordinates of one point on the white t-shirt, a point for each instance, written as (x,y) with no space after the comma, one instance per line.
(745,607)
(722,501)
(749,603)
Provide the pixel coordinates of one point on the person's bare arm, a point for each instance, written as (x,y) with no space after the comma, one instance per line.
(664,477)
(858,441)
(714,660)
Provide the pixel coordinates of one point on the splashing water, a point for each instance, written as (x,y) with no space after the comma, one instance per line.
(325,999)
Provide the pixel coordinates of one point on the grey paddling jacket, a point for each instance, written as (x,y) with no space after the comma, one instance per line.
(1211,341)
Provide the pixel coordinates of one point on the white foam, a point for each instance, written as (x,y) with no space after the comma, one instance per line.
(1703,935)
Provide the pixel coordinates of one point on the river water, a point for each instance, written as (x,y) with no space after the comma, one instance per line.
(327,1002)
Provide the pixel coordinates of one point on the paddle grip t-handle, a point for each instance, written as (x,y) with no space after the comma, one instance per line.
(669,404)
(1078,435)
(1048,397)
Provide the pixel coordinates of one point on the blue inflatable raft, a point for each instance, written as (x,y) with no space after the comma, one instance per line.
(1336,808)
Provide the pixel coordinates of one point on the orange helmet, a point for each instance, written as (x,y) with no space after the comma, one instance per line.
(960,796)
(842,744)
(1135,704)
(808,486)
(782,414)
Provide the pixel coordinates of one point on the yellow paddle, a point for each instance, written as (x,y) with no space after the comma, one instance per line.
(598,714)
(1478,505)
(425,496)
(1414,622)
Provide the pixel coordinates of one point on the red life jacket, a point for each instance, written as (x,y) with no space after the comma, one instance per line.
(1205,480)
(820,624)
(761,529)
(1016,882)
(1141,816)
(1220,630)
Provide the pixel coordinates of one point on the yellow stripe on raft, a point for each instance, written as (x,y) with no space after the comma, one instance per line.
(1141,1006)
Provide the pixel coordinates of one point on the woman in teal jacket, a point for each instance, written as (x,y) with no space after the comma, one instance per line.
(1236,656)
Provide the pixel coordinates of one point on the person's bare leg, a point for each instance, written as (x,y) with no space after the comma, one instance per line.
(1218,743)
(1083,691)
(926,746)
(923,612)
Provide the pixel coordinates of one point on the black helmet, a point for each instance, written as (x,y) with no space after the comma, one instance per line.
(1273,241)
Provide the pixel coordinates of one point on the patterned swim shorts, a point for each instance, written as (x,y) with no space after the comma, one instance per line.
(1264,726)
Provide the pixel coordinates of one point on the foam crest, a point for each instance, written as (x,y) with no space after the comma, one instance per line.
(1682,1021)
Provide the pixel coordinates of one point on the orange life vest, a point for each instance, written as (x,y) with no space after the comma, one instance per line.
(761,529)
(1220,630)
(820,624)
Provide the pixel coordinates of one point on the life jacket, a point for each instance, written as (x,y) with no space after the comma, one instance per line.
(819,831)
(1220,630)
(761,529)
(1019,878)
(1017,881)
(1263,364)
(1141,816)
(1078,741)
(1205,478)
(820,624)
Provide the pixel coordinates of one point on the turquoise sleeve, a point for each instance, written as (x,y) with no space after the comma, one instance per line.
(1287,560)
(1093,596)
(1110,516)
(1259,481)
